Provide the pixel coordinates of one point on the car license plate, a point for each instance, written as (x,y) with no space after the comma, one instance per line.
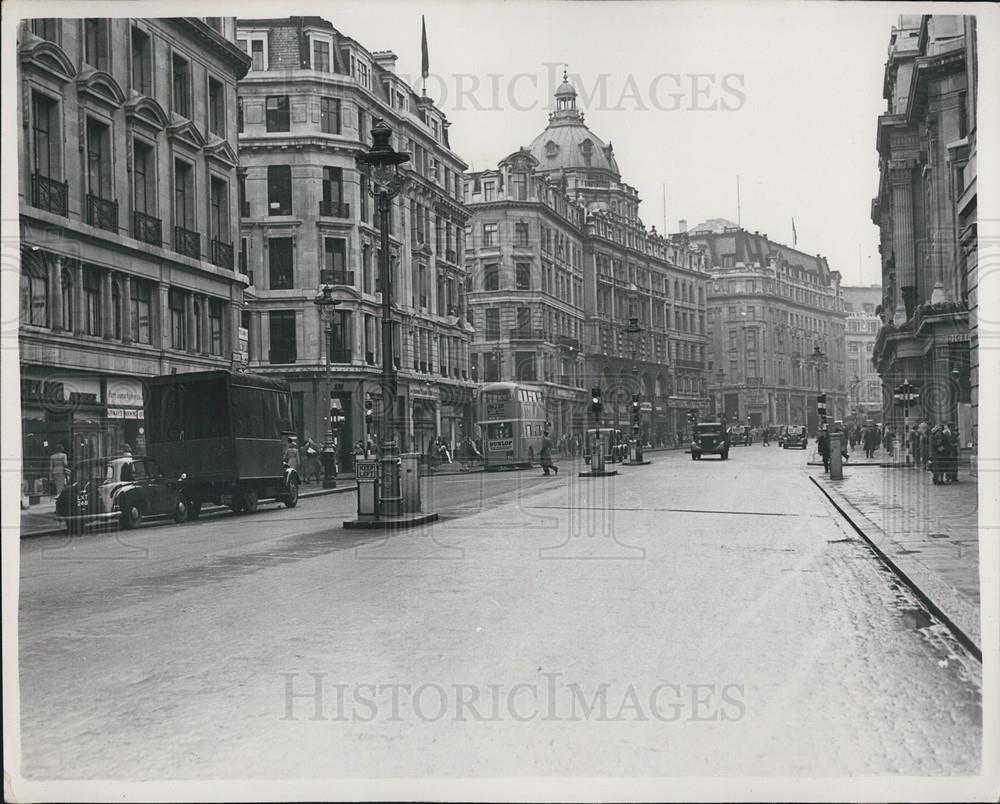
(82,500)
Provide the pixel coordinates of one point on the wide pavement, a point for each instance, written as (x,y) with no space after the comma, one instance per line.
(683,618)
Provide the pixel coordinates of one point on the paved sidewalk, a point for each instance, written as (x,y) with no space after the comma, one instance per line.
(40,520)
(930,532)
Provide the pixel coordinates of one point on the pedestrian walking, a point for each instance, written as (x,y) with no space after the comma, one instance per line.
(823,446)
(940,447)
(58,466)
(912,446)
(310,464)
(924,444)
(292,454)
(954,445)
(545,459)
(766,437)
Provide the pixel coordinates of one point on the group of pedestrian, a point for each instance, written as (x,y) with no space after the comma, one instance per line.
(305,460)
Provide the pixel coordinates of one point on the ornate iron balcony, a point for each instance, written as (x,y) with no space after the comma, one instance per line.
(102,213)
(222,254)
(334,209)
(187,242)
(49,194)
(330,277)
(147,228)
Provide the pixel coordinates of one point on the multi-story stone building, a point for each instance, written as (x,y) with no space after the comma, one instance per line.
(559,262)
(926,214)
(127,191)
(864,386)
(308,219)
(770,307)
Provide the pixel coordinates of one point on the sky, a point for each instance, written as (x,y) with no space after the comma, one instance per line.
(783,95)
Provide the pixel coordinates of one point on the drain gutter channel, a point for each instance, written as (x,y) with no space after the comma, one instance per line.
(958,633)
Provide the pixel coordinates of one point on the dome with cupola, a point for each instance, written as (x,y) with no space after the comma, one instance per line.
(566,143)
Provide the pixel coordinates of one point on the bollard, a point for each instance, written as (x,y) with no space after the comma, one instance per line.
(409,482)
(366,473)
(836,458)
(597,456)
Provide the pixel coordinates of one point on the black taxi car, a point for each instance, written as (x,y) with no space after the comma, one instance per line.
(119,491)
(711,438)
(795,435)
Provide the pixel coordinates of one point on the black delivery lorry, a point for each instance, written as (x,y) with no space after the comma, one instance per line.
(225,435)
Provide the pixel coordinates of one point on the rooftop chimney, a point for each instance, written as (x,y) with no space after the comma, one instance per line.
(386,59)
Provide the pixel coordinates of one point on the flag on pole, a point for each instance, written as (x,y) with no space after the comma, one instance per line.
(424,60)
(795,235)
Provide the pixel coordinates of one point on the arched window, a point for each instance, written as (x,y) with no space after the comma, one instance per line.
(34,290)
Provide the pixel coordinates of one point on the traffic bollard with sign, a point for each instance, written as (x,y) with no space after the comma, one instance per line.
(366,473)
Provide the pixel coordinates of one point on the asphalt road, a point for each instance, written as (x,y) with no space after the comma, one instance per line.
(684,618)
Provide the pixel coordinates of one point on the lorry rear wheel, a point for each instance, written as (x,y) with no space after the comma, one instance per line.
(292,495)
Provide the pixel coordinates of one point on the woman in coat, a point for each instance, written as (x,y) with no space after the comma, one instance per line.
(940,448)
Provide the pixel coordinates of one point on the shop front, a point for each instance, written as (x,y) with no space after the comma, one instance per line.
(87,416)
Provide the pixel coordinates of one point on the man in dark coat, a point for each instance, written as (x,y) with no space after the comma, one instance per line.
(953,448)
(823,445)
(545,459)
(940,447)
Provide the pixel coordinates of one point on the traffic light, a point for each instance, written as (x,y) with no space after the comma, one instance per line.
(369,411)
(821,408)
(595,401)
(692,415)
(635,404)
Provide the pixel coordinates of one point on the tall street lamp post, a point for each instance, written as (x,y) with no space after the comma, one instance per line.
(633,331)
(325,303)
(381,165)
(818,360)
(721,377)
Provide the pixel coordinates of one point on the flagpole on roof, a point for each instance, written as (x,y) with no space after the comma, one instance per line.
(424,60)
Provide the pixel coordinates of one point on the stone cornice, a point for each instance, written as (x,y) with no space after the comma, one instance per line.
(217,44)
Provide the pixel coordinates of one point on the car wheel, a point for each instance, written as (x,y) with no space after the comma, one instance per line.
(725,455)
(181,510)
(249,501)
(292,497)
(132,516)
(194,509)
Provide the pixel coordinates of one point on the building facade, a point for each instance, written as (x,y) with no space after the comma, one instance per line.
(559,262)
(769,308)
(864,386)
(127,190)
(308,220)
(926,214)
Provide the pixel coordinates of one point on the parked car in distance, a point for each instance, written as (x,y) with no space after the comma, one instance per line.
(711,438)
(119,491)
(738,435)
(795,435)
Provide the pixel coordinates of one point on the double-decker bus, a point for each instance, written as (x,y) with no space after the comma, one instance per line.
(512,423)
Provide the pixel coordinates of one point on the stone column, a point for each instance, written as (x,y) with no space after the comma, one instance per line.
(160,296)
(80,319)
(126,313)
(55,292)
(901,179)
(254,339)
(107,308)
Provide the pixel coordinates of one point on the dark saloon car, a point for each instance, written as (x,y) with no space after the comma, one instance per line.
(795,436)
(122,491)
(711,438)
